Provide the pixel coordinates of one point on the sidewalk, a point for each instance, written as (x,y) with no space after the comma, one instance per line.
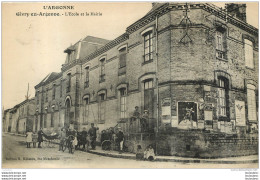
(125,155)
(228,160)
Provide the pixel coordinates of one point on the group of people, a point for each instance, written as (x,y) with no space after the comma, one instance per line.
(147,154)
(33,137)
(79,138)
(115,136)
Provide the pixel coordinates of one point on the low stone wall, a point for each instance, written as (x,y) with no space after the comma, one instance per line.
(205,144)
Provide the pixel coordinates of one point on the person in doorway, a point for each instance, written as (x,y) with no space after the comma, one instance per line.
(136,115)
(29,135)
(120,139)
(40,138)
(93,136)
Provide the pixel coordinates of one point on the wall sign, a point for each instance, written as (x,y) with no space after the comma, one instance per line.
(187,111)
(240,113)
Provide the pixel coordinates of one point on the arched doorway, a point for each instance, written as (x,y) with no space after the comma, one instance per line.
(67,113)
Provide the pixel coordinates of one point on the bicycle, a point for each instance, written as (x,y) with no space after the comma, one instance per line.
(68,143)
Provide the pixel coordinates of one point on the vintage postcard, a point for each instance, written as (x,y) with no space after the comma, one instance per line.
(130,85)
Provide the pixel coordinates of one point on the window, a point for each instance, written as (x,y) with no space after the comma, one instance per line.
(102,70)
(123,103)
(249,59)
(251,102)
(52,119)
(37,97)
(122,57)
(148,96)
(87,77)
(148,46)
(86,110)
(223,107)
(53,91)
(220,43)
(101,109)
(69,82)
(46,97)
(45,121)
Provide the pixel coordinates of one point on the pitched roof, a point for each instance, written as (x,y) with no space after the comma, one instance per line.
(96,40)
(50,77)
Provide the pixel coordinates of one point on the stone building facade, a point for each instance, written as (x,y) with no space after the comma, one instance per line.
(20,118)
(185,66)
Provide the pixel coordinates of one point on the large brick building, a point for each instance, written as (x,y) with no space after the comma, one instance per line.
(191,66)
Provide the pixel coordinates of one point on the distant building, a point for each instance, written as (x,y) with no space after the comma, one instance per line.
(19,119)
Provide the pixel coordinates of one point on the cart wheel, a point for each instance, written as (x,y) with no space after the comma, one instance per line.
(129,147)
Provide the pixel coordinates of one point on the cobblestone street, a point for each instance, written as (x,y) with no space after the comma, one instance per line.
(14,148)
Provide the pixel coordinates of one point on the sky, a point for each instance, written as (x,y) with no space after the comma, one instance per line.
(32,47)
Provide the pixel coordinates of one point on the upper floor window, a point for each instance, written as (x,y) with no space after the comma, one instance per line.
(251,102)
(53,91)
(102,70)
(37,97)
(249,59)
(220,43)
(148,46)
(87,77)
(223,107)
(69,82)
(122,57)
(86,110)
(46,97)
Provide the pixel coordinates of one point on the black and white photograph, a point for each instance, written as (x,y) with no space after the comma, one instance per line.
(130,85)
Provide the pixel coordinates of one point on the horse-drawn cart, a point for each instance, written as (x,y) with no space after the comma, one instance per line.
(50,140)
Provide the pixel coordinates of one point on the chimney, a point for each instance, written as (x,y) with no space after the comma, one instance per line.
(237,10)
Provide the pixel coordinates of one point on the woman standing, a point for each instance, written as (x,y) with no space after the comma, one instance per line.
(29,138)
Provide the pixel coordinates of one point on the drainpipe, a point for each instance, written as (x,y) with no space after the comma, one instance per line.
(157,84)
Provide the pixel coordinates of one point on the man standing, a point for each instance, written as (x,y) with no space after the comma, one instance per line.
(62,138)
(120,139)
(93,136)
(84,135)
(40,139)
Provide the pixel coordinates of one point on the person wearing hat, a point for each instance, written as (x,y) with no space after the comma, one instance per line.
(120,139)
(143,121)
(93,136)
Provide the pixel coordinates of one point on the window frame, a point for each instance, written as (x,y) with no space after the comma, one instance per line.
(249,55)
(148,46)
(251,102)
(223,97)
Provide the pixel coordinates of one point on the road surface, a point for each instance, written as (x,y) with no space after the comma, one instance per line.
(16,155)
